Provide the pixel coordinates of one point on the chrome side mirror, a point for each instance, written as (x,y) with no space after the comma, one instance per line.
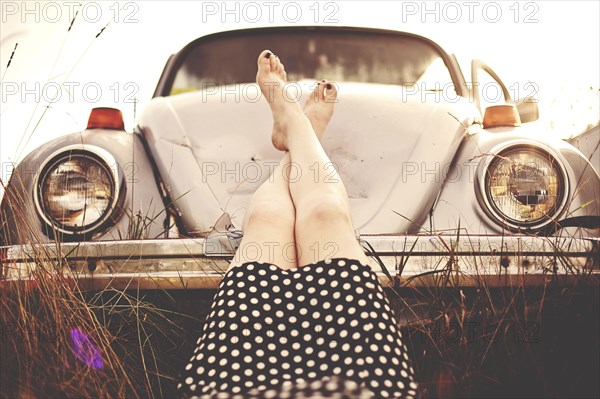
(528,109)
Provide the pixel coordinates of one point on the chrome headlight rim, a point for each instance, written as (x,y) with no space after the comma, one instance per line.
(109,165)
(484,195)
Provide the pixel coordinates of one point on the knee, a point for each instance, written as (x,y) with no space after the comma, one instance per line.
(270,213)
(325,209)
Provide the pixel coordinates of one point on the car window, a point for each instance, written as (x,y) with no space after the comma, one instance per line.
(334,55)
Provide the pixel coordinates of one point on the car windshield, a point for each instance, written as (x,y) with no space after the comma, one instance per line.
(342,56)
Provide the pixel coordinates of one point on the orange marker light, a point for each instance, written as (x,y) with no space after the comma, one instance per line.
(106,118)
(501,115)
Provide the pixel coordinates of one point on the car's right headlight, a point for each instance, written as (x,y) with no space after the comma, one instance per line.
(79,191)
(524,187)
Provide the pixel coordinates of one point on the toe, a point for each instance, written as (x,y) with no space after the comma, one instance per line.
(314,94)
(274,61)
(264,57)
(276,64)
(265,61)
(281,70)
(321,89)
(331,91)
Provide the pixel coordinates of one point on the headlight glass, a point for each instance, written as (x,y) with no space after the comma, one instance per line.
(524,186)
(76,192)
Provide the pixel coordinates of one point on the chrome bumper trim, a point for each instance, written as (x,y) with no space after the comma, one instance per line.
(415,260)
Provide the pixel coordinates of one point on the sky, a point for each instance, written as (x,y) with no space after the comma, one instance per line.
(56,75)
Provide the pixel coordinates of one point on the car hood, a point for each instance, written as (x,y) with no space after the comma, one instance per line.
(391,147)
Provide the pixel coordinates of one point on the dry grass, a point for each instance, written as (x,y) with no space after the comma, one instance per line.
(479,342)
(511,341)
(59,341)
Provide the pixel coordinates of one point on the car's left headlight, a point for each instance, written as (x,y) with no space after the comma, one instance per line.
(524,187)
(78,191)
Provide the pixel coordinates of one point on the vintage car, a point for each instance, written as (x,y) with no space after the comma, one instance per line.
(439,183)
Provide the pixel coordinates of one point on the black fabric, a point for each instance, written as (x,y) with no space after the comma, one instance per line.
(322,330)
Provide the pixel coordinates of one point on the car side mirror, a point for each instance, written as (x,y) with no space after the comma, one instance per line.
(528,109)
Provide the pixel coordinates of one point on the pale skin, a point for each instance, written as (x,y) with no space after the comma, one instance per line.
(296,222)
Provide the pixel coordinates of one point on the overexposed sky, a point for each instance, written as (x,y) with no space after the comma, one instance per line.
(57,76)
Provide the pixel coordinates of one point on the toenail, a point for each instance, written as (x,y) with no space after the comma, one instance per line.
(328,86)
(268,55)
(323,80)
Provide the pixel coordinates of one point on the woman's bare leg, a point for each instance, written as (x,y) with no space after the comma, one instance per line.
(323,227)
(269,221)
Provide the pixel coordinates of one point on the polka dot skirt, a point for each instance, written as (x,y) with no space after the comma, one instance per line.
(322,330)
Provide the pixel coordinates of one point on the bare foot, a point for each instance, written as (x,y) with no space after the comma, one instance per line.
(319,106)
(271,78)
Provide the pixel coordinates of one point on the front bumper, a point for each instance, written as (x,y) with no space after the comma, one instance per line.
(399,260)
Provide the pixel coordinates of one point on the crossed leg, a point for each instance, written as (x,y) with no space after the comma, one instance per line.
(309,213)
(269,223)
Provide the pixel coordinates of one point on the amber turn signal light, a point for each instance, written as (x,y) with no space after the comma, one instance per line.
(106,118)
(501,115)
